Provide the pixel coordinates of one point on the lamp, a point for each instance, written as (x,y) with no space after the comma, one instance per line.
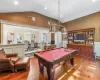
(57,27)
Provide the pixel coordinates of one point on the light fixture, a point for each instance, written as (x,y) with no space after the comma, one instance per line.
(61,16)
(57,27)
(45,8)
(94,0)
(16,2)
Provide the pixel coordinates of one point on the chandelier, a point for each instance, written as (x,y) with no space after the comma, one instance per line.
(55,27)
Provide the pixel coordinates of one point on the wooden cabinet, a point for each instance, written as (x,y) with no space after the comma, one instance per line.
(84,36)
(84,50)
(0,32)
(83,41)
(70,37)
(89,37)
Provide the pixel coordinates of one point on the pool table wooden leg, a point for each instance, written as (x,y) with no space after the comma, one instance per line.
(72,61)
(50,73)
(41,67)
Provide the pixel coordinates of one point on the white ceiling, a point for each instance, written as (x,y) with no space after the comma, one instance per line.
(70,9)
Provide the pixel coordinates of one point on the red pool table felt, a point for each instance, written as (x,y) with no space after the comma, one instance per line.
(55,54)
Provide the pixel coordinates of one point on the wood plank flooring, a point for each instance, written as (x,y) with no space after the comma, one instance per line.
(84,69)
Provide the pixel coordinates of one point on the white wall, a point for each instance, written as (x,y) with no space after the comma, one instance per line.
(65,44)
(97,48)
(58,39)
(22,30)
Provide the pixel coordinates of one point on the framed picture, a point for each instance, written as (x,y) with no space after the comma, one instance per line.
(10,37)
(19,37)
(45,37)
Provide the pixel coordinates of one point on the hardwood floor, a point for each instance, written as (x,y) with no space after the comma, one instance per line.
(84,69)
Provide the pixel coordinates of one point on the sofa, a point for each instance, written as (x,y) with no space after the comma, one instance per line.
(12,61)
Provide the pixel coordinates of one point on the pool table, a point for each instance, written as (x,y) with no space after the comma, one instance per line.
(52,57)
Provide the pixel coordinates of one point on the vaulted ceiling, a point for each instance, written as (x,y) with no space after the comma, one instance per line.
(69,9)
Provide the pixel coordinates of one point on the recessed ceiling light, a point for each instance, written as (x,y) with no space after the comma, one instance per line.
(16,2)
(45,8)
(94,0)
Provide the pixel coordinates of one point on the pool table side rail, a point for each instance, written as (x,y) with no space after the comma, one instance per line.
(56,60)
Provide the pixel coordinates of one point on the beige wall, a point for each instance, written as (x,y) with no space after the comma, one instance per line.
(91,21)
(25,18)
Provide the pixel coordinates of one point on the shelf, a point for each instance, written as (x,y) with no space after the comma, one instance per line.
(88,36)
(89,39)
(70,39)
